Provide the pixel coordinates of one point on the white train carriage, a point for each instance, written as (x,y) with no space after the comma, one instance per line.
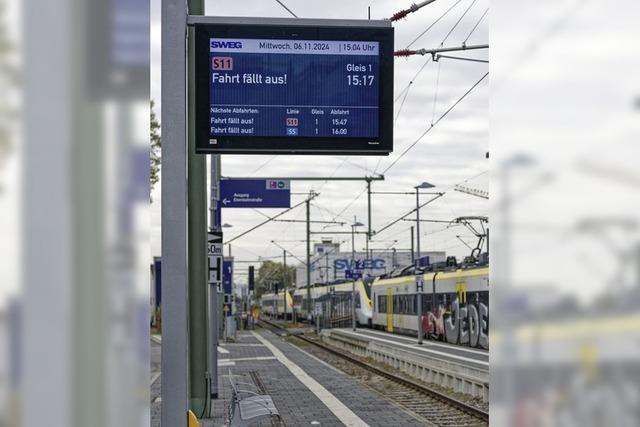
(274,304)
(321,292)
(460,314)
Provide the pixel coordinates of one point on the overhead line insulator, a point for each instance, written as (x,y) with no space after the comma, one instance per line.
(404,52)
(414,7)
(400,15)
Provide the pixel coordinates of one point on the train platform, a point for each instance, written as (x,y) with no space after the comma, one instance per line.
(474,357)
(462,369)
(305,390)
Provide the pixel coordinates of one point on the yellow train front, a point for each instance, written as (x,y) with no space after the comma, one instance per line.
(455,305)
(336,295)
(274,304)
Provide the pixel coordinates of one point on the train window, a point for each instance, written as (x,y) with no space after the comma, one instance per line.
(367,290)
(382,303)
(404,304)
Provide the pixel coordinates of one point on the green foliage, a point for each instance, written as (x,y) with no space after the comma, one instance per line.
(273,272)
(9,83)
(156,148)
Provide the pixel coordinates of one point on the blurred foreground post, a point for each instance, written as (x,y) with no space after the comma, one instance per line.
(197,259)
(174,216)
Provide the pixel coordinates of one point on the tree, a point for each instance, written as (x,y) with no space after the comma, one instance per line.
(273,272)
(9,82)
(156,148)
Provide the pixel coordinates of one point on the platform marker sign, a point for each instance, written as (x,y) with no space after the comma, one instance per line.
(214,256)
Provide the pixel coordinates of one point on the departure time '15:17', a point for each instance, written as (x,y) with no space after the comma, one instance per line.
(360,80)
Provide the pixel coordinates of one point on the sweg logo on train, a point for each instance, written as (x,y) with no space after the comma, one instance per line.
(220,44)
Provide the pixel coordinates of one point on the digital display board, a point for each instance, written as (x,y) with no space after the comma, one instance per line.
(296,90)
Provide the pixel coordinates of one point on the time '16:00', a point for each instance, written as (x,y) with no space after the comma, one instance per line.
(360,80)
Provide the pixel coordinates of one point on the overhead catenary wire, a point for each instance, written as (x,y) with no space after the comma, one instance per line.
(400,108)
(459,20)
(409,213)
(435,94)
(349,205)
(313,195)
(475,26)
(433,24)
(407,88)
(269,160)
(330,212)
(435,123)
(287,9)
(404,92)
(401,97)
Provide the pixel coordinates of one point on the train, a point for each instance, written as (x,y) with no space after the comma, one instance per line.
(335,296)
(274,304)
(455,302)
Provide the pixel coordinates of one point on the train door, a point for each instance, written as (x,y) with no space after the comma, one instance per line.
(389,310)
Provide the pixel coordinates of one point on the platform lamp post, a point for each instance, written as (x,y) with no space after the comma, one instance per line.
(353,276)
(419,277)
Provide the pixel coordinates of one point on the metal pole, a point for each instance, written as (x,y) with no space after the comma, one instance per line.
(197,241)
(419,285)
(368,220)
(175,346)
(213,307)
(368,211)
(418,278)
(418,224)
(308,257)
(284,282)
(413,254)
(353,280)
(326,264)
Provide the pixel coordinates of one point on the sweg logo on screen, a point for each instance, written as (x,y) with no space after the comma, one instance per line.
(219,44)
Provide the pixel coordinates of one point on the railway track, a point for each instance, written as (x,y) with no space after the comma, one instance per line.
(432,406)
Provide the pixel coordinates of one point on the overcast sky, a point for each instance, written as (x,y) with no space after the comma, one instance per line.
(453,152)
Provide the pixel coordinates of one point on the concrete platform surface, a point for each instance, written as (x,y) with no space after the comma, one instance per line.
(305,390)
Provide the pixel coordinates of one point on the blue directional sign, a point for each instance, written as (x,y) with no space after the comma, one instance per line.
(255,193)
(227,276)
(353,274)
